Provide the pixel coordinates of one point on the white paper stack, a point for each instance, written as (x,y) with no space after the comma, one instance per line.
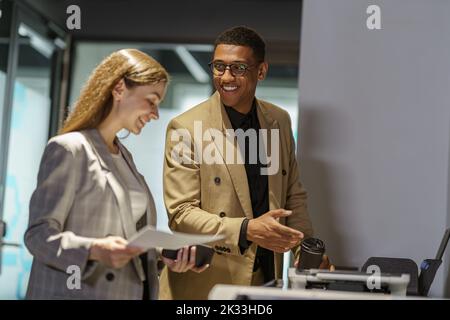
(149,237)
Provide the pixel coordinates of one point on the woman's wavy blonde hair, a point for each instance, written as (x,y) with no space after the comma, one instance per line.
(95,101)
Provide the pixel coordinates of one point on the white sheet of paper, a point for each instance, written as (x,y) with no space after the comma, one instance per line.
(149,237)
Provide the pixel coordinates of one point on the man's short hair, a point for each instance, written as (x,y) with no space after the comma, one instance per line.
(243,36)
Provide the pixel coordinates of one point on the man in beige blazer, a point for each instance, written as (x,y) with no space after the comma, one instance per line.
(259,206)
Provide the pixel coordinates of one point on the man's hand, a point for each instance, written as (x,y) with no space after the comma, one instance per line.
(325,264)
(184,261)
(113,251)
(267,232)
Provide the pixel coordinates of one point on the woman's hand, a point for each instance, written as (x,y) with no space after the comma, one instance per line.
(184,261)
(113,251)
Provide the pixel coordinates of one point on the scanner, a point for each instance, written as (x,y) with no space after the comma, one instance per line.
(397,277)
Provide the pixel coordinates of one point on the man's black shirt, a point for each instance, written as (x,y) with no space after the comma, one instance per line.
(258,185)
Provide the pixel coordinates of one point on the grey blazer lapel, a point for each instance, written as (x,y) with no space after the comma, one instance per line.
(151,208)
(118,187)
(115,181)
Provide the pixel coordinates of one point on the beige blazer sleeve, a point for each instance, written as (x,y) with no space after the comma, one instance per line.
(296,197)
(182,197)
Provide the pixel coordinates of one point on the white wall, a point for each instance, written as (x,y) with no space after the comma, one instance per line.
(374,128)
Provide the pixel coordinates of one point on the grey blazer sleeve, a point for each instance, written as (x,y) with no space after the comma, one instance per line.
(50,204)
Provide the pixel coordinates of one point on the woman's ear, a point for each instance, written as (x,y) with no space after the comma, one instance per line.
(262,71)
(118,90)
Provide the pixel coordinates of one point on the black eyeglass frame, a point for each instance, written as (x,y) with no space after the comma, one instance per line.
(228,66)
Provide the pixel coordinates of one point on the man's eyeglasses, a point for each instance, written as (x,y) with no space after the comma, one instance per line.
(236,69)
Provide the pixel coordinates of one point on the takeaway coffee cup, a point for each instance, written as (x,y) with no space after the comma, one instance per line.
(311,253)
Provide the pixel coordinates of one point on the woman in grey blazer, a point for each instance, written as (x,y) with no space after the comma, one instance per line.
(90,197)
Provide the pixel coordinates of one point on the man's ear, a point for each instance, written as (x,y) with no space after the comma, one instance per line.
(262,71)
(118,90)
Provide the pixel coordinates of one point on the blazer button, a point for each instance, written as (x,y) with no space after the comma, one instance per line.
(283,172)
(222,214)
(110,276)
(217,180)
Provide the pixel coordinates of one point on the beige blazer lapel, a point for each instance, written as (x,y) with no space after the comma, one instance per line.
(220,121)
(275,180)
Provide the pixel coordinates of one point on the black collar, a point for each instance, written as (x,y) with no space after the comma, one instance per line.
(241,120)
